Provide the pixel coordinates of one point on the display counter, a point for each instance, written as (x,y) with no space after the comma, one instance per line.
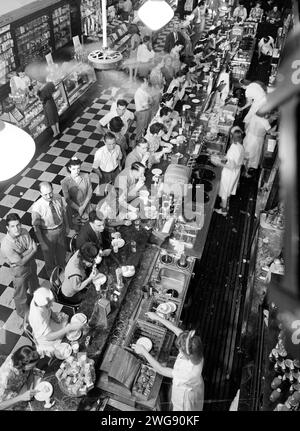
(26,109)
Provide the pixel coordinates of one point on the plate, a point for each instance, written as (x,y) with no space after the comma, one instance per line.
(80,317)
(63,350)
(132,216)
(74,335)
(174,134)
(172,305)
(98,281)
(146,342)
(179,155)
(128,271)
(156,172)
(195,100)
(192,95)
(120,242)
(45,390)
(164,308)
(173,141)
(186,107)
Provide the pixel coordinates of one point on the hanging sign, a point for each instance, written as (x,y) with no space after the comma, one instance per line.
(49,59)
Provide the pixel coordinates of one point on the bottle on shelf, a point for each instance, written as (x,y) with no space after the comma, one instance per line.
(277,381)
(275,395)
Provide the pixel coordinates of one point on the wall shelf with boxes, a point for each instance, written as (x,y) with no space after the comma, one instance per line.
(7,60)
(33,39)
(61,26)
(90,17)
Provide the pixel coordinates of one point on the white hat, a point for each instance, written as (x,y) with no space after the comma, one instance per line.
(42,296)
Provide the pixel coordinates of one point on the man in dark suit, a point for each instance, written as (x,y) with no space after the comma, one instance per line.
(173,37)
(93,231)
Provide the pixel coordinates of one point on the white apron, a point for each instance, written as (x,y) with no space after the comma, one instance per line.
(231,174)
(254,139)
(188,385)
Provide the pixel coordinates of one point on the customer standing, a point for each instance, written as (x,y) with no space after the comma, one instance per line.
(50,110)
(18,249)
(51,226)
(133,42)
(240,12)
(144,57)
(143,104)
(188,384)
(231,169)
(107,160)
(173,37)
(77,191)
(198,18)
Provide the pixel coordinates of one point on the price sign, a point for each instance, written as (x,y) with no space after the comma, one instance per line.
(76,43)
(49,59)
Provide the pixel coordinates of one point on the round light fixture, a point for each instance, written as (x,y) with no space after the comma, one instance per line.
(155,14)
(16,150)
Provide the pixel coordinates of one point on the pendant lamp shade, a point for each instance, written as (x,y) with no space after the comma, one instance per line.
(155,14)
(16,150)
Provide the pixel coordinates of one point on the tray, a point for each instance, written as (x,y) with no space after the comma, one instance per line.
(156,334)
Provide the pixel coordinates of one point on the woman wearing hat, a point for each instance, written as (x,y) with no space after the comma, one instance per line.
(188,384)
(48,327)
(77,191)
(231,169)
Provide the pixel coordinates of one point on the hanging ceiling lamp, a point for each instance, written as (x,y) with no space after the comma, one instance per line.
(155,14)
(16,150)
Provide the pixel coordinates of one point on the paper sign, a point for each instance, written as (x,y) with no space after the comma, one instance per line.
(76,43)
(49,59)
(271,145)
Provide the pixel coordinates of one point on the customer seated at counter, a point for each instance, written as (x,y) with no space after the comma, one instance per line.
(180,84)
(139,154)
(76,282)
(166,118)
(114,207)
(188,384)
(153,137)
(48,327)
(131,180)
(15,373)
(94,231)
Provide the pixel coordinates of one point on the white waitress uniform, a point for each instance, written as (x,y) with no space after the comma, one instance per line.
(188,385)
(253,142)
(231,172)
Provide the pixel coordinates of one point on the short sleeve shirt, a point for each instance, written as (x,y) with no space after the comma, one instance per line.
(42,214)
(74,276)
(107,161)
(13,249)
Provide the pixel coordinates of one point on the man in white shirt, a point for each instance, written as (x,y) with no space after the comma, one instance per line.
(48,327)
(18,250)
(142,100)
(138,154)
(131,180)
(166,119)
(51,226)
(153,137)
(144,57)
(240,12)
(266,46)
(118,109)
(107,160)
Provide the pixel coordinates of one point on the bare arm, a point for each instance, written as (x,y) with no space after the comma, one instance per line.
(26,396)
(26,257)
(164,371)
(153,316)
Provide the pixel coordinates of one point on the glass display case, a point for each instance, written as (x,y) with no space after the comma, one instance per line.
(7,61)
(33,39)
(28,113)
(61,26)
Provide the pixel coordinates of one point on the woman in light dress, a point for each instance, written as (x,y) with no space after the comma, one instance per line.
(188,384)
(77,191)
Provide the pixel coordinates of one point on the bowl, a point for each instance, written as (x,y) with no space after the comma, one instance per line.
(63,351)
(80,317)
(99,281)
(128,270)
(156,172)
(44,391)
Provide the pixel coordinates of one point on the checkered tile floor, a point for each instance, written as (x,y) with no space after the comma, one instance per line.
(80,139)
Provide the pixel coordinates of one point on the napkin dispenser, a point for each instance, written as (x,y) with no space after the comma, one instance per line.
(176,179)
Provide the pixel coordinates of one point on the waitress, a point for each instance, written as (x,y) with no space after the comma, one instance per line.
(188,385)
(50,110)
(77,191)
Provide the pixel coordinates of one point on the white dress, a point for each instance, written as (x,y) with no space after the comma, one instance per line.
(256,131)
(188,385)
(231,173)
